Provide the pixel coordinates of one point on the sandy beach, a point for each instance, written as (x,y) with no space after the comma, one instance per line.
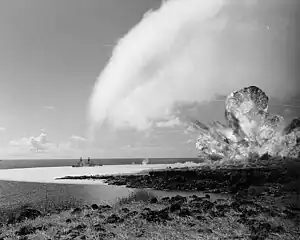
(48,174)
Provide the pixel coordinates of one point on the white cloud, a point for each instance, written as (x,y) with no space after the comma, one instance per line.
(40,147)
(2,129)
(75,142)
(169,123)
(190,51)
(36,144)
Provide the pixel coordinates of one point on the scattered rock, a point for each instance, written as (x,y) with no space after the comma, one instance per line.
(153,200)
(99,228)
(131,214)
(23,238)
(68,220)
(80,227)
(205,231)
(94,206)
(114,218)
(178,198)
(27,213)
(207,205)
(175,206)
(25,230)
(103,208)
(76,210)
(259,229)
(156,216)
(74,234)
(184,212)
(165,199)
(207,196)
(125,210)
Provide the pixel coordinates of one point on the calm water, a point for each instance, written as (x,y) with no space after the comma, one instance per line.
(47,195)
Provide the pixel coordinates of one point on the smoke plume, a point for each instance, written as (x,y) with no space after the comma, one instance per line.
(191,51)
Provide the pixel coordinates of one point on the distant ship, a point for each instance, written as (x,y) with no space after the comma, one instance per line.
(89,163)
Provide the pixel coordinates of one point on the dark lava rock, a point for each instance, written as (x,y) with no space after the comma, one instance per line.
(220,210)
(74,234)
(261,229)
(80,227)
(140,233)
(131,214)
(205,231)
(99,228)
(94,206)
(114,218)
(241,204)
(165,199)
(278,229)
(265,156)
(25,230)
(184,212)
(26,213)
(23,238)
(106,235)
(68,220)
(194,197)
(207,196)
(147,209)
(103,208)
(175,206)
(207,205)
(125,210)
(153,200)
(178,198)
(156,216)
(255,191)
(76,210)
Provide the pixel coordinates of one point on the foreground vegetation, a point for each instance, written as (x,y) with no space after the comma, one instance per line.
(252,211)
(143,216)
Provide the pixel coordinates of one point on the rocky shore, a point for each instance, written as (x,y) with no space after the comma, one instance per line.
(146,217)
(275,176)
(264,204)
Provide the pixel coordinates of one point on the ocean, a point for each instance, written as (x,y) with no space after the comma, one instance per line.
(8,164)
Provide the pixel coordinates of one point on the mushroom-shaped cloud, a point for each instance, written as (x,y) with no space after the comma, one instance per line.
(251,130)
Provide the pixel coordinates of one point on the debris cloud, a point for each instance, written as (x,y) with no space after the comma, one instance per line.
(192,50)
(251,131)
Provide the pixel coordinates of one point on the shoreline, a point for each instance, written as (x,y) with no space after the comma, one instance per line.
(251,212)
(49,174)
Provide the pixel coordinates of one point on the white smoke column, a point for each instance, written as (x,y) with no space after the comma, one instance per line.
(189,51)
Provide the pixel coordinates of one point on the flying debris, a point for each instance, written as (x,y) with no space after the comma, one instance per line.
(250,130)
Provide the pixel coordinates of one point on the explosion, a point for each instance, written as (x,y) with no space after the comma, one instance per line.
(250,131)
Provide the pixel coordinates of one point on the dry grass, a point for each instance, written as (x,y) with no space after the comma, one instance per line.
(141,195)
(83,225)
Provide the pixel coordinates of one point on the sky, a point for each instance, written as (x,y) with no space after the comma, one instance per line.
(100,78)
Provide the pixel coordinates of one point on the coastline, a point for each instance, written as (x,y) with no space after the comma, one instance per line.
(49,174)
(250,213)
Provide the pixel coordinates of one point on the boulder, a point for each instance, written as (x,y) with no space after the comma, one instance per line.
(26,213)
